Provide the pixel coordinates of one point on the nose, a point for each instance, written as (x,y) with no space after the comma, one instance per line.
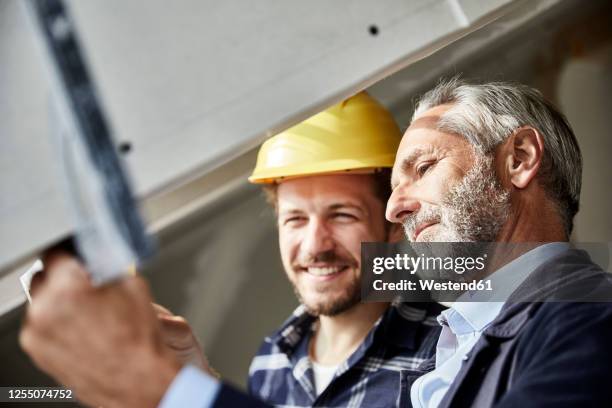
(318,238)
(400,205)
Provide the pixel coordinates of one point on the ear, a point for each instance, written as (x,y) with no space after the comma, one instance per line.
(525,149)
(396,233)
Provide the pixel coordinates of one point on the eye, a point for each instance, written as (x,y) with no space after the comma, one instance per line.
(341,216)
(295,220)
(424,168)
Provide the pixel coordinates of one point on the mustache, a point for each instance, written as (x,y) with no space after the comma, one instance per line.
(428,215)
(328,257)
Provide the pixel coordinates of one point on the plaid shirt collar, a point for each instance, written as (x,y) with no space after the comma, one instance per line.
(301,323)
(393,328)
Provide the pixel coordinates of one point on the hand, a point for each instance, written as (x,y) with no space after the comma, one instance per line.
(179,338)
(104,343)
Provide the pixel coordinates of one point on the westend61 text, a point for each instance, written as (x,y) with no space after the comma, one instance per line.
(431,284)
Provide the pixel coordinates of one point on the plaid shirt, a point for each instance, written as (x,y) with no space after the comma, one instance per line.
(378,374)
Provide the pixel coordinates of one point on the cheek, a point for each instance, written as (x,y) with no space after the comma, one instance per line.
(288,245)
(352,244)
(351,238)
(437,185)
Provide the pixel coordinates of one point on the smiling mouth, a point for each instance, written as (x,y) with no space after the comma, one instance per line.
(323,271)
(421,228)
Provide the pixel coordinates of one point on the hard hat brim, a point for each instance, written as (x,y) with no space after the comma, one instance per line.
(275,175)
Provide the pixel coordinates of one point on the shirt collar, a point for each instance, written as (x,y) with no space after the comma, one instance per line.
(293,330)
(401,321)
(468,316)
(397,326)
(510,276)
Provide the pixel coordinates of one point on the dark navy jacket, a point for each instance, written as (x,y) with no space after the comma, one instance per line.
(545,354)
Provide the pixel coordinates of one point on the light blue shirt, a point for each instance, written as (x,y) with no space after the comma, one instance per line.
(190,388)
(465,321)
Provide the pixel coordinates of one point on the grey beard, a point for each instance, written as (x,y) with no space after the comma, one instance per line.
(474,210)
(478,205)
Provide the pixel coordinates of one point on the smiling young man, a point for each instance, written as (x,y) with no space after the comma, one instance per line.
(328,180)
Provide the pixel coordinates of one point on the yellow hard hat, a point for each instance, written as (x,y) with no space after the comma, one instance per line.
(356,135)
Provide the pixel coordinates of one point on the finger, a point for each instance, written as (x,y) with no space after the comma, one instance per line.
(38,278)
(138,286)
(161,310)
(174,326)
(137,289)
(52,253)
(65,271)
(36,282)
(64,278)
(27,340)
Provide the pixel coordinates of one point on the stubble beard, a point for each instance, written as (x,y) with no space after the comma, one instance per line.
(332,307)
(474,210)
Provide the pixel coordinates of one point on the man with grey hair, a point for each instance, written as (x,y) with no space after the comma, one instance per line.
(486,115)
(498,163)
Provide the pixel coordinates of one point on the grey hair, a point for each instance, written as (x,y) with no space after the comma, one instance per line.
(487,114)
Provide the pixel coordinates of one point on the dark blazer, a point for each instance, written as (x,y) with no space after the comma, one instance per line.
(545,354)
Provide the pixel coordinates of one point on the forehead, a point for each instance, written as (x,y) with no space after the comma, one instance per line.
(321,191)
(423,137)
(423,132)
